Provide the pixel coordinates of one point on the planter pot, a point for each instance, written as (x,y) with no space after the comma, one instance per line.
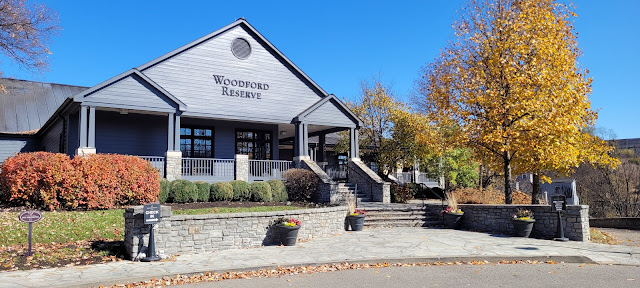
(287,234)
(522,228)
(452,220)
(356,222)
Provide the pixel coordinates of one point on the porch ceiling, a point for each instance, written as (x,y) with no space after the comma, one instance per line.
(287,131)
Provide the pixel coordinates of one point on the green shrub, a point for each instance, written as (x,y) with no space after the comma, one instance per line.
(203,191)
(241,190)
(260,192)
(301,184)
(400,193)
(165,188)
(278,190)
(221,191)
(183,191)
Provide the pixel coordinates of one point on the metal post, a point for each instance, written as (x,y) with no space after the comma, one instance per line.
(29,253)
(560,230)
(151,252)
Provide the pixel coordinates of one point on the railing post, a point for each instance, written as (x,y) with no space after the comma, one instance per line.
(242,167)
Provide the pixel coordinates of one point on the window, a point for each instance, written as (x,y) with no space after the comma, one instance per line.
(196,142)
(255,143)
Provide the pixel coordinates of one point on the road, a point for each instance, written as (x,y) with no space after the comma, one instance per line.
(490,275)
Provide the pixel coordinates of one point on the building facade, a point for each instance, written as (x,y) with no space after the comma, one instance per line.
(226,106)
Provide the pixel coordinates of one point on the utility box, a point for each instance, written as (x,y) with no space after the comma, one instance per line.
(566,187)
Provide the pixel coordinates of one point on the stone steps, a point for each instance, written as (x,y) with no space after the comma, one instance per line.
(402,216)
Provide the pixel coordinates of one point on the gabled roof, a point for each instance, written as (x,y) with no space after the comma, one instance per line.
(81,96)
(28,105)
(323,101)
(239,22)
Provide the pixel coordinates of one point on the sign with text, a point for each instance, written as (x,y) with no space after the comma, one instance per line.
(30,216)
(559,202)
(240,88)
(151,213)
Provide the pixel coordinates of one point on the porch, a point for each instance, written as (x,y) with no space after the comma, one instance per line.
(224,170)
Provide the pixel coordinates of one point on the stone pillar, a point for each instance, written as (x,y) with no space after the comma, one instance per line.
(136,234)
(173,160)
(242,167)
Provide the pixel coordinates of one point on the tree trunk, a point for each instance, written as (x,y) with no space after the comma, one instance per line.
(535,192)
(506,156)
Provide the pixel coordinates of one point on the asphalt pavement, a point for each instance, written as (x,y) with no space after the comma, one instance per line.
(368,246)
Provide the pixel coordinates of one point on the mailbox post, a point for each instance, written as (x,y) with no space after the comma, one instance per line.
(559,204)
(151,217)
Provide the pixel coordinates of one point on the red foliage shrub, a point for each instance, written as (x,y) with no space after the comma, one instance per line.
(53,181)
(40,179)
(110,180)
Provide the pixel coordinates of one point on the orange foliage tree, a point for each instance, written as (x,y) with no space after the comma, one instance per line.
(510,81)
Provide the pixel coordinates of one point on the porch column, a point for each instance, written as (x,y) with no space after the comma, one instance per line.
(173,157)
(87,121)
(170,133)
(354,151)
(301,143)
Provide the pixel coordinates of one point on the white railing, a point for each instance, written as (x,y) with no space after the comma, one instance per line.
(208,169)
(261,170)
(404,177)
(423,178)
(157,162)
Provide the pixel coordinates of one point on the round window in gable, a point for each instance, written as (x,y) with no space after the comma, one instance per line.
(241,48)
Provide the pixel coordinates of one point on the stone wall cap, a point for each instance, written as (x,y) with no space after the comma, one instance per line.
(282,213)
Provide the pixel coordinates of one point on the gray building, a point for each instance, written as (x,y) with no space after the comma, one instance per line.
(216,109)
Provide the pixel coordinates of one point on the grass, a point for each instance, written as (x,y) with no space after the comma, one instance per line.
(216,210)
(601,237)
(108,225)
(63,227)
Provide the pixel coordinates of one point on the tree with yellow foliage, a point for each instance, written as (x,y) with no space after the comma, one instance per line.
(510,81)
(392,132)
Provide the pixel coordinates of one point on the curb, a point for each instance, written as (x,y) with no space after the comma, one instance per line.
(565,259)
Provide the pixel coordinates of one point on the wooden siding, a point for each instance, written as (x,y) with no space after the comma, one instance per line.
(132,93)
(50,140)
(73,137)
(225,134)
(329,114)
(189,77)
(132,134)
(10,145)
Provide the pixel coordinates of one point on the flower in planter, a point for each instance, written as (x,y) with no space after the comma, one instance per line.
(358,213)
(523,214)
(452,205)
(452,210)
(287,222)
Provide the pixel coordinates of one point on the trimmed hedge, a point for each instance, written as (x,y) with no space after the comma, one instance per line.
(165,189)
(184,191)
(400,193)
(261,192)
(54,181)
(203,191)
(241,190)
(278,190)
(221,191)
(301,184)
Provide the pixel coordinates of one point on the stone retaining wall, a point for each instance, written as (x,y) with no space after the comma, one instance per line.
(623,223)
(497,219)
(211,232)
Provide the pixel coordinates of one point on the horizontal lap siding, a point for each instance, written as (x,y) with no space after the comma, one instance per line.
(51,139)
(329,114)
(131,92)
(132,134)
(189,77)
(10,145)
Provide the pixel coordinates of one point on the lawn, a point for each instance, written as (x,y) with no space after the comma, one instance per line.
(70,238)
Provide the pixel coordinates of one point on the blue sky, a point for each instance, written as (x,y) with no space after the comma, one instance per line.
(337,43)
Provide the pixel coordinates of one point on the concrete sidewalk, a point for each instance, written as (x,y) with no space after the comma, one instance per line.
(368,246)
